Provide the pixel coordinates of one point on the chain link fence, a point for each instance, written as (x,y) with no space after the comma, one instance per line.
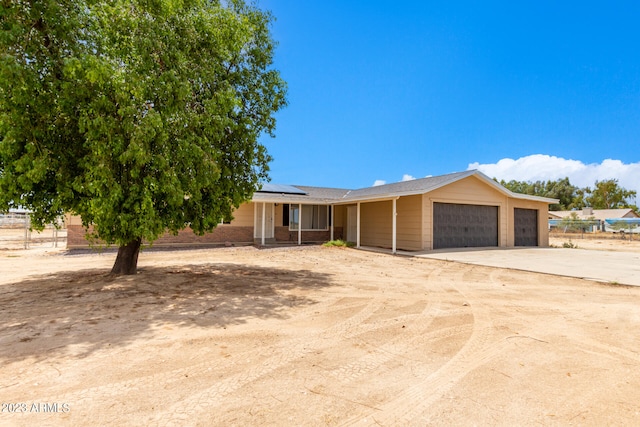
(15,233)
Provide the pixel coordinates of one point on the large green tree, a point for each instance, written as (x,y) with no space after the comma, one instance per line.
(140,116)
(560,189)
(607,194)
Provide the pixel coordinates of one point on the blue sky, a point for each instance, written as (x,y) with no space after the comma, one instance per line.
(385,90)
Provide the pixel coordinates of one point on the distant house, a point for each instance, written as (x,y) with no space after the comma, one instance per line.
(464,209)
(602,219)
(599,214)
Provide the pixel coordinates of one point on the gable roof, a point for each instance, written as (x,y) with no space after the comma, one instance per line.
(406,188)
(305,194)
(323,195)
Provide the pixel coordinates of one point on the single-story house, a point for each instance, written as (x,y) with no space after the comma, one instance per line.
(463,209)
(599,219)
(598,214)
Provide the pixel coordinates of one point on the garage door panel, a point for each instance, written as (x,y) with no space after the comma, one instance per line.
(525,223)
(458,225)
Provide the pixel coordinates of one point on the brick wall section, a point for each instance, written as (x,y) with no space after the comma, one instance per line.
(223,234)
(75,236)
(220,235)
(283,234)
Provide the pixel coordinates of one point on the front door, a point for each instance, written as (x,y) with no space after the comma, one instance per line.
(268,220)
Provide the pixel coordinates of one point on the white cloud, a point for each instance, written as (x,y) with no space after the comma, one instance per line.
(405,177)
(542,167)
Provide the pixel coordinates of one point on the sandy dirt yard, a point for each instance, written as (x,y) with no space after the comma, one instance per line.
(310,336)
(611,243)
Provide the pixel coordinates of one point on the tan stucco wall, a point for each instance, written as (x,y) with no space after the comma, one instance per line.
(375,224)
(72,220)
(339,216)
(409,223)
(243,216)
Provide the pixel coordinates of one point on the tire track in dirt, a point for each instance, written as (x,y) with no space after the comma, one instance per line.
(289,352)
(605,350)
(392,349)
(286,352)
(397,347)
(411,406)
(347,329)
(417,330)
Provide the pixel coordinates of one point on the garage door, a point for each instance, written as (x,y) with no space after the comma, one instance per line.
(461,226)
(526,227)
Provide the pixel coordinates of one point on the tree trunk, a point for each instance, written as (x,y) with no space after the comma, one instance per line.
(127,259)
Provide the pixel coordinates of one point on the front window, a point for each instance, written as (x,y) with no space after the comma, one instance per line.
(313,217)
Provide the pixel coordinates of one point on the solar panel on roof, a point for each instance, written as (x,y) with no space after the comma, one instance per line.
(280,189)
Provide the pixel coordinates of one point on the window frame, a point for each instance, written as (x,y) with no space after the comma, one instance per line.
(296,206)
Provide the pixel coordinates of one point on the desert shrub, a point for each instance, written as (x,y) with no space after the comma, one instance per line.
(338,243)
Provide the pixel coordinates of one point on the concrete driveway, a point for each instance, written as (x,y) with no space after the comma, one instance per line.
(603,266)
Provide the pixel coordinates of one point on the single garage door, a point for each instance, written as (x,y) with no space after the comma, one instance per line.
(526,227)
(461,226)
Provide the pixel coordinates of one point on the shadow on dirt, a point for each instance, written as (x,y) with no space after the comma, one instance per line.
(83,311)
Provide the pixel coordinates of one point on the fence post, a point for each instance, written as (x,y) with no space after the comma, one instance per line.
(26,231)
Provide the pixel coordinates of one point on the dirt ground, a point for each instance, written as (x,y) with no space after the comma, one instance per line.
(611,242)
(310,336)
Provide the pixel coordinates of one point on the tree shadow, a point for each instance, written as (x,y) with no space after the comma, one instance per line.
(87,310)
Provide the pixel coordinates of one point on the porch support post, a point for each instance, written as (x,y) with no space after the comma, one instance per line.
(394,233)
(331,215)
(264,221)
(299,223)
(358,226)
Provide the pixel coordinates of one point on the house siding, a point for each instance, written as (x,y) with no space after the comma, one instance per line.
(375,224)
(409,223)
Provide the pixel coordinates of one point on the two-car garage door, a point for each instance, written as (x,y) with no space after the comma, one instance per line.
(461,226)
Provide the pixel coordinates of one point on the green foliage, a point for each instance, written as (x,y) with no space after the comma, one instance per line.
(560,189)
(338,243)
(607,194)
(569,245)
(140,116)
